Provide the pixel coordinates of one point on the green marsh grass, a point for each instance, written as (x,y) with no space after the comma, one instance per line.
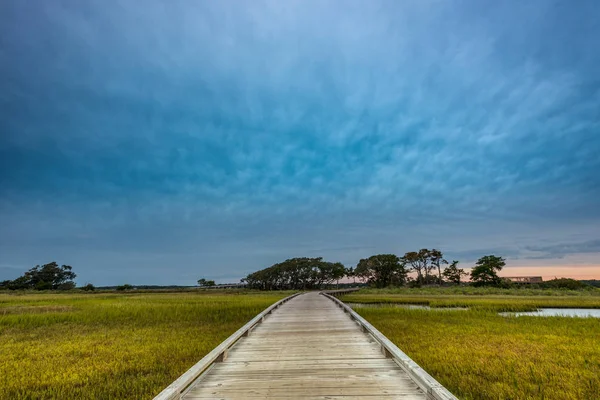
(478,354)
(112,346)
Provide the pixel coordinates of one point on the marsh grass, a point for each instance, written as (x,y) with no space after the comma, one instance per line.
(479,354)
(112,346)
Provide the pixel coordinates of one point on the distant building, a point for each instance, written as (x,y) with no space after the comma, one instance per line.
(524,279)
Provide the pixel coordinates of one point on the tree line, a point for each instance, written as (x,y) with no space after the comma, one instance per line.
(381,270)
(430,267)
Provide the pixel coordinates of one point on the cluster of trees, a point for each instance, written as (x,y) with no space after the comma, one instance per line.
(296,273)
(46,277)
(205,283)
(430,267)
(381,270)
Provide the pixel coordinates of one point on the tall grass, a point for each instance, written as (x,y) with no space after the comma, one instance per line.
(478,354)
(112,346)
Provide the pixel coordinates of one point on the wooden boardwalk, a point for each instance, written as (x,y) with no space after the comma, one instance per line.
(308,348)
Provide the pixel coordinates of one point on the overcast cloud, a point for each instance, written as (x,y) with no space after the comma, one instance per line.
(160,142)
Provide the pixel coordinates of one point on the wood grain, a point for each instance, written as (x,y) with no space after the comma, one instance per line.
(308,348)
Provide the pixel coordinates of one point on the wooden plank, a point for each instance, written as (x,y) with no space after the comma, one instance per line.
(307,348)
(301,392)
(310,397)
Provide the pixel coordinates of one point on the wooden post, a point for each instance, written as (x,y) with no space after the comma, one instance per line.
(223,356)
(385,351)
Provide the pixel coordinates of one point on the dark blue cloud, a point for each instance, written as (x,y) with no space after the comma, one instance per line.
(161,142)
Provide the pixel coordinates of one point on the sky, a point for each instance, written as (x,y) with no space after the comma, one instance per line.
(160,142)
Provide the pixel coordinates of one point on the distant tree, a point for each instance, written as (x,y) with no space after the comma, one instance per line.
(426,255)
(296,273)
(382,270)
(590,282)
(126,286)
(565,283)
(20,283)
(350,273)
(204,283)
(454,274)
(418,261)
(437,261)
(46,277)
(485,272)
(89,287)
(414,263)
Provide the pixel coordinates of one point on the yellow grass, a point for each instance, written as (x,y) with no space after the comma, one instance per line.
(478,354)
(117,346)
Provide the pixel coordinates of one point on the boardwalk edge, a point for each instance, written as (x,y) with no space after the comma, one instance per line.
(175,390)
(433,389)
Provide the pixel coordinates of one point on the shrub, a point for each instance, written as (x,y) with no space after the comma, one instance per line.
(89,287)
(565,283)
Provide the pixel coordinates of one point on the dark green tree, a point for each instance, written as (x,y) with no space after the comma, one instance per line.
(46,277)
(350,273)
(437,261)
(203,282)
(296,273)
(485,272)
(419,262)
(382,270)
(454,274)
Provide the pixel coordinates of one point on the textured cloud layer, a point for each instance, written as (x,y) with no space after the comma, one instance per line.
(212,138)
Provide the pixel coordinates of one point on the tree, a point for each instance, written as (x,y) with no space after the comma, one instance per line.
(382,270)
(416,264)
(419,262)
(425,255)
(46,277)
(89,287)
(565,283)
(351,273)
(126,286)
(296,273)
(454,274)
(437,260)
(485,271)
(203,282)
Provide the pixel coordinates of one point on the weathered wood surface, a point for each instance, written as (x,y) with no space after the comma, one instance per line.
(306,349)
(219,353)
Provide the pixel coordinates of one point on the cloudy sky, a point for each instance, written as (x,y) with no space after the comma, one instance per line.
(158,142)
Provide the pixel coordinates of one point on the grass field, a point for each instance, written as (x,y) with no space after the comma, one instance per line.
(478,354)
(112,346)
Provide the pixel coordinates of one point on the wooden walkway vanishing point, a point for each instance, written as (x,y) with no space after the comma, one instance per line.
(308,346)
